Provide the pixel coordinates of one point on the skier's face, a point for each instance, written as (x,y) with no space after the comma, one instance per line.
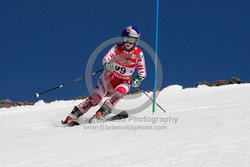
(128,46)
(129,42)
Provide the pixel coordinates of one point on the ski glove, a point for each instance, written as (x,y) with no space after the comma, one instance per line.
(110,66)
(136,82)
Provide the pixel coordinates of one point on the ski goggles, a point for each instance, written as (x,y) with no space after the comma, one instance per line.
(129,40)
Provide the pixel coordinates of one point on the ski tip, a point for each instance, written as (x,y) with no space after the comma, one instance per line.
(70,124)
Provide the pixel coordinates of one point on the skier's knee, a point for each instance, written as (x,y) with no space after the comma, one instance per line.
(121,89)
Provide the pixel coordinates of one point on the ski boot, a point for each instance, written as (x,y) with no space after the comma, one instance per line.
(72,119)
(100,115)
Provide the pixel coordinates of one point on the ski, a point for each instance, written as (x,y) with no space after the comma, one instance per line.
(121,115)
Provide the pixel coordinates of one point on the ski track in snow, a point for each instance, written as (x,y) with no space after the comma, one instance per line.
(213,129)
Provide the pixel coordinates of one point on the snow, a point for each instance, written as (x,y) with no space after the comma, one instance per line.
(204,126)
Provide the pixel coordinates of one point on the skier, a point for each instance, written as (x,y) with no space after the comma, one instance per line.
(119,65)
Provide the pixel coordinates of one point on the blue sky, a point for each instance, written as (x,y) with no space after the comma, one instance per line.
(44,43)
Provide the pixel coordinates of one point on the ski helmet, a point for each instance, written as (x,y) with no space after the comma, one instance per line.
(131,31)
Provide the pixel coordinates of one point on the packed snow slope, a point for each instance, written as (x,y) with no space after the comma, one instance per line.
(205,126)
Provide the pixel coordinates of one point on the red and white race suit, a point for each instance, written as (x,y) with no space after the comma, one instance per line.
(117,81)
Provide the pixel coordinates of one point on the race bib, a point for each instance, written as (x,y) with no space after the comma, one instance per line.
(125,71)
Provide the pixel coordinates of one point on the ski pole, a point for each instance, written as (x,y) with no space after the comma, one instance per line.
(66,83)
(151,99)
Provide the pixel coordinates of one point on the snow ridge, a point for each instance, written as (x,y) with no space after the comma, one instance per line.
(204,126)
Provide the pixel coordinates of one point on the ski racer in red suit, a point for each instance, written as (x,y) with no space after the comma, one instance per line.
(119,65)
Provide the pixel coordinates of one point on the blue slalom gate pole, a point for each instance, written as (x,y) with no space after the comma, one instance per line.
(156,54)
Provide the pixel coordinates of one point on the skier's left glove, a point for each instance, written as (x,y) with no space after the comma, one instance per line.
(136,82)
(110,66)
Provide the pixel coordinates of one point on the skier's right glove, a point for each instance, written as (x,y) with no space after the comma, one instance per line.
(136,82)
(110,66)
